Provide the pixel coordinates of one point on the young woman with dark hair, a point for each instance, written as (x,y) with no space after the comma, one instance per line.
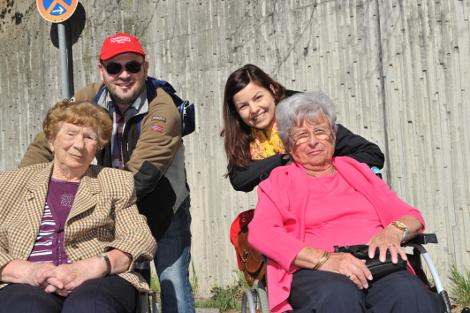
(252,145)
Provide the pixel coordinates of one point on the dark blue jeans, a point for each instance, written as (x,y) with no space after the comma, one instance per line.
(321,291)
(172,263)
(110,294)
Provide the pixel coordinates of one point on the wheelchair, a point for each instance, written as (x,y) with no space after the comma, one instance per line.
(147,302)
(255,300)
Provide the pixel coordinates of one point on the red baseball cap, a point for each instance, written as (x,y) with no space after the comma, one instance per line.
(120,43)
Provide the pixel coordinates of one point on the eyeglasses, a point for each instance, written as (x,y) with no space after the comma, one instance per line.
(116,68)
(303,135)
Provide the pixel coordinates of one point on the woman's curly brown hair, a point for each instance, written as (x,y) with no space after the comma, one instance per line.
(79,113)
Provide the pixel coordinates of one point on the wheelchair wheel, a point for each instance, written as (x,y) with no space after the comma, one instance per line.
(262,296)
(255,299)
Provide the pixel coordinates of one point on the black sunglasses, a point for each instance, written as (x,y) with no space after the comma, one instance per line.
(116,68)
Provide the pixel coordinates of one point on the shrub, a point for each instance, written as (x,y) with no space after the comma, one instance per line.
(460,287)
(228,297)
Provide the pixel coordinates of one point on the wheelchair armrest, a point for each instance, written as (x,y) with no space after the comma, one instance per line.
(146,301)
(143,268)
(422,239)
(142,265)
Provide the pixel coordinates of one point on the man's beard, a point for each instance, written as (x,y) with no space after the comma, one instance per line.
(125,98)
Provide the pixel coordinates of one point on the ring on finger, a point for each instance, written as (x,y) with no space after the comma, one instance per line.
(392,245)
(350,275)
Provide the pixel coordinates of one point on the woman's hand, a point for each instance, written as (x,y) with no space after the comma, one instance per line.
(350,266)
(341,263)
(388,239)
(31,273)
(24,272)
(391,237)
(35,274)
(67,277)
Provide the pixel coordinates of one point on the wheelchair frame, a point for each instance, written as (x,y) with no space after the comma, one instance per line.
(256,299)
(147,302)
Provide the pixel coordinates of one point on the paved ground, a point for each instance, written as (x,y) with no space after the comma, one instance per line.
(203,310)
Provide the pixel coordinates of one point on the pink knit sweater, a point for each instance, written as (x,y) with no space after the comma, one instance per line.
(278,227)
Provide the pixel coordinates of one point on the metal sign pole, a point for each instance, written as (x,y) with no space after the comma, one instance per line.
(63,61)
(57,12)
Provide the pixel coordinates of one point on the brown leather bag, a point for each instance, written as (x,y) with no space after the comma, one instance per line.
(252,262)
(249,260)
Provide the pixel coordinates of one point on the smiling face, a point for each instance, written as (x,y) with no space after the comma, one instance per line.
(255,105)
(314,154)
(74,148)
(124,87)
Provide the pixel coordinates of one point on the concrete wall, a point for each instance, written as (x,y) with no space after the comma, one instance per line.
(397,70)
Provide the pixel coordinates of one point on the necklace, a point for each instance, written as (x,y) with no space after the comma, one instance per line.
(313,175)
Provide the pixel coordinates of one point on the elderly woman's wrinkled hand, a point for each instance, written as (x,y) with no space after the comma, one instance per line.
(70,276)
(387,239)
(54,285)
(41,277)
(350,266)
(36,275)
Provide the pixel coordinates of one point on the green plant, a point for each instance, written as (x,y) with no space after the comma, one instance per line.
(227,297)
(223,298)
(460,286)
(194,282)
(240,278)
(154,283)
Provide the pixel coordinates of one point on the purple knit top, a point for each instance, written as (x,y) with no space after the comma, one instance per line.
(49,245)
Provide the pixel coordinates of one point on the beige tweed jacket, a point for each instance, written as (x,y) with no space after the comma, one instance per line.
(103,216)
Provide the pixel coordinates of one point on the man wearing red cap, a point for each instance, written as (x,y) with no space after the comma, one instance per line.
(147,141)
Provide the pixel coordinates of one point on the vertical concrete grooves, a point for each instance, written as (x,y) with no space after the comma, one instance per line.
(385,148)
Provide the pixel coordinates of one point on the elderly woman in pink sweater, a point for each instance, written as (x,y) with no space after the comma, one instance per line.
(320,201)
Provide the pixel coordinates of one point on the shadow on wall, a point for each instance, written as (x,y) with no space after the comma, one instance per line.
(73,29)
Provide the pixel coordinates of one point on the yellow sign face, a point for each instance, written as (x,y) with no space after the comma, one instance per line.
(56,11)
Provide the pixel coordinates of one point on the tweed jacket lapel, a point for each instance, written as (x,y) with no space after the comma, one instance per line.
(86,197)
(33,206)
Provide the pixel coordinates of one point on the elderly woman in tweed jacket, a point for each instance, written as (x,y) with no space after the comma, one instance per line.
(70,232)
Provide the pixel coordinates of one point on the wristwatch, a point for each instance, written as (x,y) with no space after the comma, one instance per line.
(104,256)
(401,227)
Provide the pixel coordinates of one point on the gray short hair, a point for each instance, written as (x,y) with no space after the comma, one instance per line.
(295,110)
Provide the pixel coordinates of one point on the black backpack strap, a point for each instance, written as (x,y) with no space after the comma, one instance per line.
(186,109)
(157,83)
